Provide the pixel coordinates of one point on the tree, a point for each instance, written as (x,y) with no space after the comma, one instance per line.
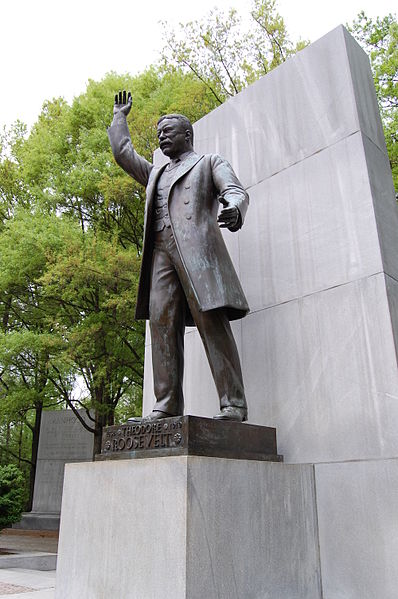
(11,495)
(92,288)
(71,314)
(13,191)
(224,54)
(379,38)
(27,342)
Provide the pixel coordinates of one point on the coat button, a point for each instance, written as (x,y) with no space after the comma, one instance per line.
(188,216)
(186,201)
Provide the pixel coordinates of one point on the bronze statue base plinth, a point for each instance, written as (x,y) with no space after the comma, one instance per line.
(189,435)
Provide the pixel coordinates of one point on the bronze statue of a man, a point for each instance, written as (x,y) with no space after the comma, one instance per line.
(187,276)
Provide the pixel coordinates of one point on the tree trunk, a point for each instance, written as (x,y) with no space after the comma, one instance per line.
(20,445)
(8,435)
(97,439)
(99,418)
(35,449)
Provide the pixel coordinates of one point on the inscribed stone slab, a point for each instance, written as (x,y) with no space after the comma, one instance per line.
(62,439)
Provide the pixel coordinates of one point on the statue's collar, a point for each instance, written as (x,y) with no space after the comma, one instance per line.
(174,163)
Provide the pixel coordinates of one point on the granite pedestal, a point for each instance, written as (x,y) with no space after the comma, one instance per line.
(188,527)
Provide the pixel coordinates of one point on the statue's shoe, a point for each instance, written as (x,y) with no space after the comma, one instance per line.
(232,413)
(155,415)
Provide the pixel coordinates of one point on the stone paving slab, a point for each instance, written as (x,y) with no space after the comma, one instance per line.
(24,583)
(41,594)
(32,582)
(9,589)
(32,560)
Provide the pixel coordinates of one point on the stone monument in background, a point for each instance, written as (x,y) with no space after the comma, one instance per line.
(318,261)
(62,439)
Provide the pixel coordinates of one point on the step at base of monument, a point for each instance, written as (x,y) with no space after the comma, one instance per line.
(29,561)
(38,521)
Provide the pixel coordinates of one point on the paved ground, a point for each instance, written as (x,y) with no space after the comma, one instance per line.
(22,583)
(27,584)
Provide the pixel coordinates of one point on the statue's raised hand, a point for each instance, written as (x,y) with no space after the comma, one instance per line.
(123,102)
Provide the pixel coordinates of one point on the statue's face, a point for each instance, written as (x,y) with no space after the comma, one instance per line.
(174,140)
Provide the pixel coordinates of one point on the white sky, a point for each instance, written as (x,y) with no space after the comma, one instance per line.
(50,48)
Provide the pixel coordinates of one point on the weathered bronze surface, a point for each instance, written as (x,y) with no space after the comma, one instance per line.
(187,276)
(189,435)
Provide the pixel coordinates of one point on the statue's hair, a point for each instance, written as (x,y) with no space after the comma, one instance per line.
(182,119)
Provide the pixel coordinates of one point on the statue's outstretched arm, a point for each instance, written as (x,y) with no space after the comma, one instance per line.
(119,136)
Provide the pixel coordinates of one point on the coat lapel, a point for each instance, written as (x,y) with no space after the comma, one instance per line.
(153,181)
(150,195)
(185,167)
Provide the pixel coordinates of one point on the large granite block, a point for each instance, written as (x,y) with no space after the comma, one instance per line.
(132,533)
(309,103)
(188,528)
(368,113)
(385,206)
(392,294)
(252,531)
(322,370)
(310,227)
(358,529)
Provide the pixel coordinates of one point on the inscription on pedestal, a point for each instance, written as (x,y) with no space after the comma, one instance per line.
(189,435)
(155,435)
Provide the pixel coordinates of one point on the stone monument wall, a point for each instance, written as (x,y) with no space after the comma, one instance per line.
(62,440)
(318,260)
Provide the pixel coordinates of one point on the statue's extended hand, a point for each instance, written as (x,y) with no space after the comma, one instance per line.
(123,102)
(229,217)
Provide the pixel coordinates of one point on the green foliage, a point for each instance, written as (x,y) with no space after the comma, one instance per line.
(72,301)
(67,162)
(28,342)
(379,38)
(11,495)
(226,54)
(15,446)
(13,190)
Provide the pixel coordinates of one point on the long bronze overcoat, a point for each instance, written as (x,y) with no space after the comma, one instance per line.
(200,183)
